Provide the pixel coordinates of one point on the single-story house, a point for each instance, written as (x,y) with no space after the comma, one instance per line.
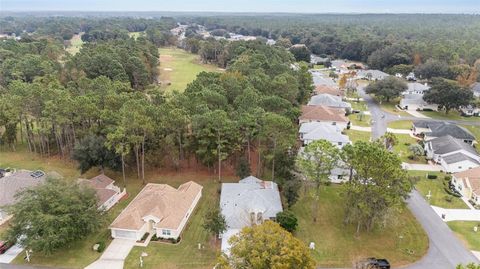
(476,89)
(336,91)
(158,209)
(414,102)
(314,59)
(107,193)
(321,79)
(470,111)
(13,182)
(334,116)
(433,129)
(313,131)
(416,88)
(249,202)
(467,183)
(372,75)
(329,100)
(452,154)
(339,174)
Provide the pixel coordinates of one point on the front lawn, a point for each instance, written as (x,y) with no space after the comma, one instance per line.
(404,141)
(475,130)
(391,106)
(358,135)
(452,115)
(464,230)
(360,120)
(402,242)
(186,254)
(401,124)
(435,186)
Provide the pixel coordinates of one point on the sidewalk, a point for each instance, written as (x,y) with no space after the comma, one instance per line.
(399,131)
(416,114)
(422,167)
(360,128)
(458,214)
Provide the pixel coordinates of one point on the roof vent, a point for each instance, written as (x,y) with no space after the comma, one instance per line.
(37,174)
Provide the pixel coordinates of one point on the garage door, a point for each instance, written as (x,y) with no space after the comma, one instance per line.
(125,234)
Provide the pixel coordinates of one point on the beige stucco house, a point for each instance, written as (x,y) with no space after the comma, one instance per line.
(468,184)
(158,209)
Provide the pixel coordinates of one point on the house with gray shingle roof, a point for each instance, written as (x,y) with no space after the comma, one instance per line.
(329,100)
(313,131)
(372,75)
(249,202)
(476,89)
(433,129)
(108,194)
(452,154)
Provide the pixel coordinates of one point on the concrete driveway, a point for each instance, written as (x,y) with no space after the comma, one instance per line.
(10,254)
(114,256)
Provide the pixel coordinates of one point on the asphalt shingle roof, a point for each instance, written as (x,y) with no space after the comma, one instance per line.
(447,144)
(439,129)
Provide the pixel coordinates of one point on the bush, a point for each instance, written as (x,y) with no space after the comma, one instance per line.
(101,246)
(144,237)
(411,157)
(429,176)
(447,178)
(448,199)
(287,220)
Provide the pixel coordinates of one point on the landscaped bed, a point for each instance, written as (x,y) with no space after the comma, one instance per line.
(402,242)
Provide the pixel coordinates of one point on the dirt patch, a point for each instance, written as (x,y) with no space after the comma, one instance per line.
(166,58)
(167,69)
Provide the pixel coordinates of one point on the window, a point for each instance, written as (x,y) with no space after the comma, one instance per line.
(166,232)
(340,177)
(339,143)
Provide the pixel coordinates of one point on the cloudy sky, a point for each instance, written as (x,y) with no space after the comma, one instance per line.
(303,6)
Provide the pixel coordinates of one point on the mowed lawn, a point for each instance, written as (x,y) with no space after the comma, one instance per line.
(355,135)
(464,230)
(438,196)
(80,254)
(185,254)
(336,245)
(401,124)
(452,115)
(474,129)
(404,141)
(178,68)
(75,44)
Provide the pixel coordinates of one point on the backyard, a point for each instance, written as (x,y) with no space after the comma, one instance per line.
(438,195)
(178,68)
(402,242)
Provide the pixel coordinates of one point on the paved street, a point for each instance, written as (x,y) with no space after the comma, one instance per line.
(445,250)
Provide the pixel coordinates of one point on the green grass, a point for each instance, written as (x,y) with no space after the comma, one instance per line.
(452,115)
(404,141)
(400,124)
(186,254)
(338,246)
(135,34)
(318,66)
(475,131)
(76,44)
(358,135)
(358,120)
(435,186)
(179,68)
(80,253)
(464,230)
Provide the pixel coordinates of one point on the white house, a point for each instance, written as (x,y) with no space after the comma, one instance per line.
(249,202)
(414,102)
(158,209)
(467,183)
(107,193)
(313,131)
(374,75)
(416,88)
(13,182)
(330,100)
(476,89)
(470,111)
(452,154)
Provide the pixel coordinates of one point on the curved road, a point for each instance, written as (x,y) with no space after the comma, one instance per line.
(445,249)
(379,125)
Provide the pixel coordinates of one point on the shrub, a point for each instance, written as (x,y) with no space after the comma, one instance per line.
(447,178)
(144,237)
(287,220)
(429,176)
(448,199)
(101,246)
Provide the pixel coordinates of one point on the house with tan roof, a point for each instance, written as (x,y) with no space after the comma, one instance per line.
(158,209)
(467,183)
(319,89)
(108,194)
(334,116)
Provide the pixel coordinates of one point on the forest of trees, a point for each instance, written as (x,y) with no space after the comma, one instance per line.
(103,106)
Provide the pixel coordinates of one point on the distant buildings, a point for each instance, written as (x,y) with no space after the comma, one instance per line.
(333,116)
(107,193)
(313,131)
(412,98)
(329,100)
(373,75)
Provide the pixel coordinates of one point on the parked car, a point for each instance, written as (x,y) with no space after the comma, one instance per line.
(4,246)
(373,263)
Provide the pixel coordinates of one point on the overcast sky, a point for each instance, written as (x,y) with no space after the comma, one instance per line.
(303,6)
